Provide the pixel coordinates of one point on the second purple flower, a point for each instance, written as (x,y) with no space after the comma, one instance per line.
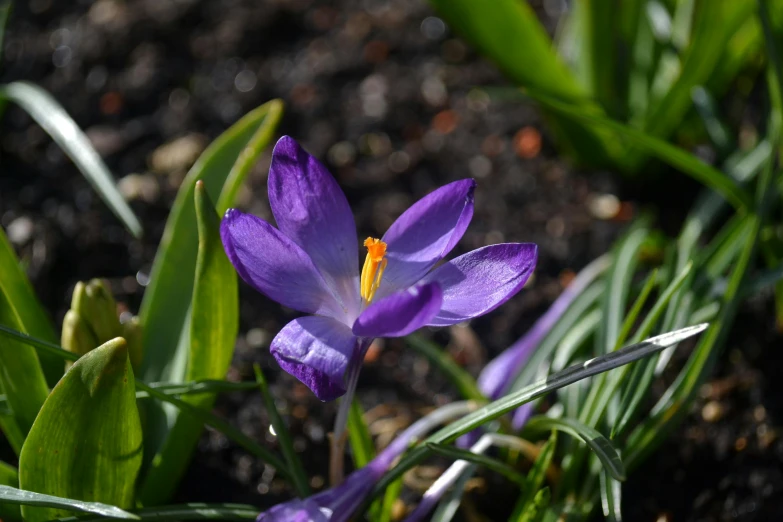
(310,263)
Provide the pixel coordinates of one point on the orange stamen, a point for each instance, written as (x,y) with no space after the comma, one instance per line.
(374,265)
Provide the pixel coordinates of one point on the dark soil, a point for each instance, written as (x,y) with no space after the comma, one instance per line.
(386,95)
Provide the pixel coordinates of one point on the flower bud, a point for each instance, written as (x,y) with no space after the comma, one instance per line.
(131,331)
(92,321)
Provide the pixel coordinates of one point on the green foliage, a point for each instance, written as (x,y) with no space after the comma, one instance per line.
(636,61)
(167,309)
(86,442)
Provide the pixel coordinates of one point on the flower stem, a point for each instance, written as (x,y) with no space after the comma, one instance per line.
(337,443)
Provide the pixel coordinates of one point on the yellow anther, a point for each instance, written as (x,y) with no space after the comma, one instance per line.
(374,265)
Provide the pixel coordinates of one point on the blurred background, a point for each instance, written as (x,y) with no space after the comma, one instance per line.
(395,104)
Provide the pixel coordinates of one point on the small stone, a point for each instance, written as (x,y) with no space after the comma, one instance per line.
(604,206)
(20,230)
(142,187)
(178,155)
(712,411)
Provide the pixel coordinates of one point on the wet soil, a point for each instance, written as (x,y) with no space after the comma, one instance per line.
(388,97)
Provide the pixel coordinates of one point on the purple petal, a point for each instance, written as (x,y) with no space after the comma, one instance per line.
(310,208)
(480,281)
(275,266)
(294,511)
(341,501)
(317,351)
(400,313)
(425,233)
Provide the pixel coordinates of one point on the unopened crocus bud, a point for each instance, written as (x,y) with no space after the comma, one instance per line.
(131,331)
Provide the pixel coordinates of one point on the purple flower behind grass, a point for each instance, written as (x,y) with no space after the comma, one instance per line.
(338,504)
(310,263)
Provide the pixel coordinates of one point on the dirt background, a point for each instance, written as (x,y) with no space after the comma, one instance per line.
(390,99)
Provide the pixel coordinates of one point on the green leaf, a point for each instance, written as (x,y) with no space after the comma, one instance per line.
(714,21)
(535,478)
(16,496)
(191,511)
(283,436)
(674,156)
(165,309)
(554,382)
(601,446)
(478,458)
(86,442)
(17,287)
(461,379)
(362,446)
(536,510)
(509,33)
(611,494)
(50,115)
(9,476)
(213,325)
(21,378)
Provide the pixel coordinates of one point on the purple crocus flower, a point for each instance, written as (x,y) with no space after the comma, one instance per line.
(338,504)
(310,263)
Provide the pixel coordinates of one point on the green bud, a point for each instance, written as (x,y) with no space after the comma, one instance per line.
(92,321)
(100,310)
(131,331)
(76,336)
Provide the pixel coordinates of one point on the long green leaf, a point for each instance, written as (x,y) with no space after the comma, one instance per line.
(283,436)
(191,511)
(678,158)
(509,33)
(715,22)
(601,446)
(17,287)
(50,115)
(165,309)
(9,476)
(554,382)
(86,442)
(478,458)
(21,378)
(611,494)
(167,298)
(17,496)
(213,325)
(536,477)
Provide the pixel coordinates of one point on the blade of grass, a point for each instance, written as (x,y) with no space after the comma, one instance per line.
(298,475)
(678,158)
(9,476)
(50,115)
(191,511)
(15,284)
(12,495)
(166,306)
(553,382)
(211,336)
(611,494)
(479,459)
(536,477)
(21,378)
(601,446)
(509,33)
